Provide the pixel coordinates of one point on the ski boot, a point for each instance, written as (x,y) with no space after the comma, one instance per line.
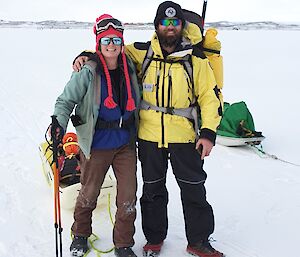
(203,249)
(79,246)
(152,250)
(124,252)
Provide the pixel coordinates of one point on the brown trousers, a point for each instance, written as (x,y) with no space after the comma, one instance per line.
(123,161)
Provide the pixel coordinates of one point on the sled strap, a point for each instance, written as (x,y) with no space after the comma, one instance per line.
(245,132)
(259,148)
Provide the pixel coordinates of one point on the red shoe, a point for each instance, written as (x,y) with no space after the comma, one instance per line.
(152,250)
(203,249)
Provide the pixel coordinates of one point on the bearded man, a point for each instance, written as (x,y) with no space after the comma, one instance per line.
(164,134)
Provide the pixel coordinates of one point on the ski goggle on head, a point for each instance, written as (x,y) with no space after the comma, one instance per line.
(106,41)
(167,22)
(104,24)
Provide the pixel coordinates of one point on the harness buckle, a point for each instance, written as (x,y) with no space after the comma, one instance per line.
(121,122)
(170,110)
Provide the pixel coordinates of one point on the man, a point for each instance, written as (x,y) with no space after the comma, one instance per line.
(166,131)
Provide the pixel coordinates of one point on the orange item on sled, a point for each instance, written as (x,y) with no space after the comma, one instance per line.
(70,144)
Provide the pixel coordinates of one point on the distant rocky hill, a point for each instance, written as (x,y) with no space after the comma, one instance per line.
(222,25)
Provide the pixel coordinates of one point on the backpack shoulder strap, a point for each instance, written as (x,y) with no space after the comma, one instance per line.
(188,66)
(147,60)
(187,61)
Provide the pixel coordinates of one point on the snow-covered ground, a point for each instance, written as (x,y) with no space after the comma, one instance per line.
(256,200)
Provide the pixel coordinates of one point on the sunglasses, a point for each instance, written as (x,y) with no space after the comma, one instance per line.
(104,24)
(115,40)
(168,22)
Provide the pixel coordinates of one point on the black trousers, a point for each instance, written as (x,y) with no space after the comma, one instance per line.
(190,176)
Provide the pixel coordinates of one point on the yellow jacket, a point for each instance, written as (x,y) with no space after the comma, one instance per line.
(167,84)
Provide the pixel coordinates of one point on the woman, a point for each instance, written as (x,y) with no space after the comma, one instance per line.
(105,96)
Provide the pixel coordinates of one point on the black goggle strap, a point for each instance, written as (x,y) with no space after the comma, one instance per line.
(104,24)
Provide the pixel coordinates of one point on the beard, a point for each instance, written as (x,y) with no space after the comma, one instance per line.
(168,41)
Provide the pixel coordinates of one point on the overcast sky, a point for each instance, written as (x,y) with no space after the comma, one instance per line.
(144,11)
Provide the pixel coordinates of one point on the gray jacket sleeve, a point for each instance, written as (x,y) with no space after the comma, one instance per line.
(72,95)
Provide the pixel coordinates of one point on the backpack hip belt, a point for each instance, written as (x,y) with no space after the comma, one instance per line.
(189,112)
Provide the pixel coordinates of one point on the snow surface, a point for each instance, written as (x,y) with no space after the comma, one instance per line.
(256,200)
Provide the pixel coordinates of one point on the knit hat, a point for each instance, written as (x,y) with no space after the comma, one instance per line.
(168,9)
(106,25)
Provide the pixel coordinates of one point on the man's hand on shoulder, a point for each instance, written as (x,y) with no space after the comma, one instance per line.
(81,59)
(79,62)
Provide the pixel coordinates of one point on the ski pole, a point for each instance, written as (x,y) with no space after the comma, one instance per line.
(55,137)
(56,195)
(204,12)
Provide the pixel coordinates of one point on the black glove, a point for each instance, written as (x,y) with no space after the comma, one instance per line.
(57,131)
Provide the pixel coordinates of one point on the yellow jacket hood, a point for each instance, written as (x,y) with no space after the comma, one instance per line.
(192,33)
